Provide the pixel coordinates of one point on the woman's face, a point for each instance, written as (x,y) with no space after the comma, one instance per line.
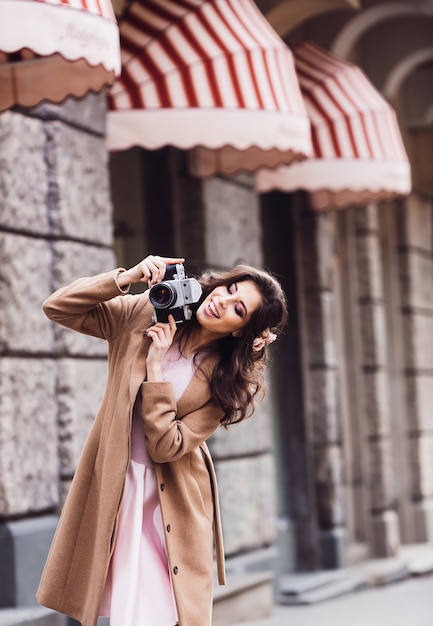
(228,308)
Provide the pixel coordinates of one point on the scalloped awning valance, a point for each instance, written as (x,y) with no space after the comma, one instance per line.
(210,76)
(359,154)
(50,49)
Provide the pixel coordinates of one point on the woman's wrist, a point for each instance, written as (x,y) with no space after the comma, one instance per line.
(154,373)
(124,279)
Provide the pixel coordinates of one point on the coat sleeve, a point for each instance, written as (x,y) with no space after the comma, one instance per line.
(94,306)
(168,437)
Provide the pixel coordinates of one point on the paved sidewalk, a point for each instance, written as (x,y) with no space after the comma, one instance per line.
(406,603)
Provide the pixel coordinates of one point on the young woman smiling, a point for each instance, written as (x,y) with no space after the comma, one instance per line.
(135,538)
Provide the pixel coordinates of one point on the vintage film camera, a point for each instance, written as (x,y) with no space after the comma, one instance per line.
(174,295)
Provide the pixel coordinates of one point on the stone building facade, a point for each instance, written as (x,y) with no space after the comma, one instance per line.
(56,225)
(335,464)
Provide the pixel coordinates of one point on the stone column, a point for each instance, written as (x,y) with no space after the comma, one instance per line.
(384,524)
(243,455)
(317,310)
(55,225)
(415,257)
(216,223)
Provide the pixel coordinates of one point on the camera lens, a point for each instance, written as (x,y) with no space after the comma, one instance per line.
(162,296)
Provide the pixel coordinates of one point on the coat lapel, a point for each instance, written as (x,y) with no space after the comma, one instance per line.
(198,391)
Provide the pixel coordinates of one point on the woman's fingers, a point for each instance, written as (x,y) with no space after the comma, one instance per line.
(162,334)
(162,338)
(158,266)
(171,260)
(173,326)
(158,336)
(153,268)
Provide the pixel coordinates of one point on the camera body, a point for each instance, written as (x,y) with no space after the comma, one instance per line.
(174,295)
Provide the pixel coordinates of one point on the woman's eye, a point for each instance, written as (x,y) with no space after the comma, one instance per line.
(238,308)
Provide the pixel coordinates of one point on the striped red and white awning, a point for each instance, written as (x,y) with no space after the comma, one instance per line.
(210,75)
(358,150)
(53,48)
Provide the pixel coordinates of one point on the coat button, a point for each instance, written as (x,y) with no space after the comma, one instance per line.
(175,569)
(168,528)
(162,486)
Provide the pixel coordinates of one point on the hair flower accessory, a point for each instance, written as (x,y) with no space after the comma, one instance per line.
(264,339)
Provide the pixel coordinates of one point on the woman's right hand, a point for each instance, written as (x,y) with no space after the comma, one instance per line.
(162,336)
(151,269)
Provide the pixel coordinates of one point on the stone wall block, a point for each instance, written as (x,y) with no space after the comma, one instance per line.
(28,436)
(373,335)
(24,545)
(385,534)
(421,455)
(419,398)
(369,266)
(414,223)
(367,218)
(423,514)
(309,252)
(325,241)
(80,389)
(71,261)
(382,487)
(23,176)
(88,113)
(229,239)
(80,206)
(329,475)
(317,237)
(247,487)
(377,403)
(323,406)
(320,327)
(25,282)
(417,350)
(415,272)
(250,436)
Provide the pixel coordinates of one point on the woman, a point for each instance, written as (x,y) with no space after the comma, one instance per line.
(135,538)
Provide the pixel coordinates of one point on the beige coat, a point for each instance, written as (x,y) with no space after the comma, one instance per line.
(77,565)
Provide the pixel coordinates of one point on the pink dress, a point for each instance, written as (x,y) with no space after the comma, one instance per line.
(138,591)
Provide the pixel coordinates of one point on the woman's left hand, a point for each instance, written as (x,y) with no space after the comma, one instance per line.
(162,336)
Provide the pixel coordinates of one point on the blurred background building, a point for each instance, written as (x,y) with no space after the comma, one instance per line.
(295,135)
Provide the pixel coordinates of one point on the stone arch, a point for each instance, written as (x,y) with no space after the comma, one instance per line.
(365,20)
(403,69)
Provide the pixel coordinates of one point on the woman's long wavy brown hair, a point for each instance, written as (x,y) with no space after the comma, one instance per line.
(238,375)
